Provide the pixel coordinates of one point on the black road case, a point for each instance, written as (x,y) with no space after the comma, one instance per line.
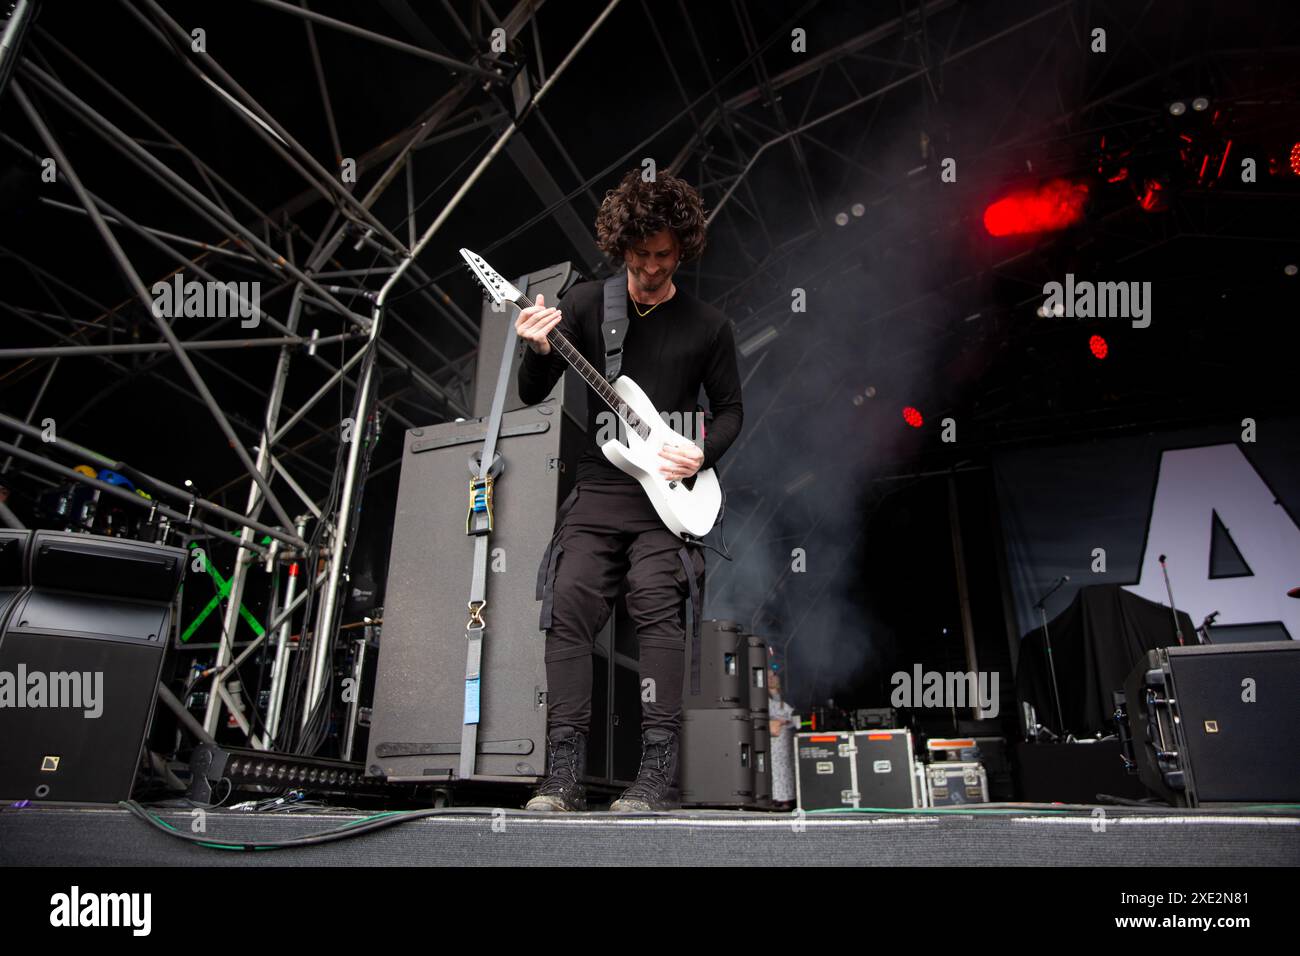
(855,769)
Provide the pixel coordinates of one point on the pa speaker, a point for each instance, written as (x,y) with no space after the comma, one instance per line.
(13,567)
(1215,723)
(80,654)
(718,756)
(725,668)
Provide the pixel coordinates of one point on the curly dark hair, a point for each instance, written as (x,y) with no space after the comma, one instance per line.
(637,209)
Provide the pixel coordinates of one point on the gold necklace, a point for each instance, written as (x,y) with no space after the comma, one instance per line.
(652,308)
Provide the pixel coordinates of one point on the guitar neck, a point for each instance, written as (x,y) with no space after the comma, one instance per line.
(599,384)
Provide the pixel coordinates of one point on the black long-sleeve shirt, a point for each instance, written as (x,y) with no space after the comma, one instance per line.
(681,345)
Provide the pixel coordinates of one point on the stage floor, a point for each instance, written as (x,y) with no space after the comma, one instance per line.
(1001,834)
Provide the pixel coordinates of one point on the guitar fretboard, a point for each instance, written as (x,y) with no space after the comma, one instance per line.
(598,382)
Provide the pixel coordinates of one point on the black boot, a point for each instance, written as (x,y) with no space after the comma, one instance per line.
(563,790)
(656,781)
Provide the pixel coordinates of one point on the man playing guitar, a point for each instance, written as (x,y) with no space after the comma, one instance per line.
(608,531)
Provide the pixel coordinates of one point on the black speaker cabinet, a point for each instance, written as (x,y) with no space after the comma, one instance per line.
(762,758)
(416,725)
(1214,724)
(13,567)
(614,740)
(13,557)
(80,654)
(114,567)
(756,679)
(724,668)
(717,762)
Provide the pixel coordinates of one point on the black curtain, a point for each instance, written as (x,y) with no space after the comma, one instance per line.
(1096,642)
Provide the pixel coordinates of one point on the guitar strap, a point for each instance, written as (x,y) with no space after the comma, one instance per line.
(613,327)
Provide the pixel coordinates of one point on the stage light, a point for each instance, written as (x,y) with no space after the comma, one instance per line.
(857,209)
(913,417)
(1200,104)
(1290,269)
(1177,108)
(841,219)
(1295,159)
(1054,205)
(1099,347)
(1154,198)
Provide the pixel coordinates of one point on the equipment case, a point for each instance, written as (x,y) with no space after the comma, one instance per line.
(950,783)
(855,769)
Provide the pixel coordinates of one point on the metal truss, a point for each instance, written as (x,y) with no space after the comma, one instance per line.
(266,244)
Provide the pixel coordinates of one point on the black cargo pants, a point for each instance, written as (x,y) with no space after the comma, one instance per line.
(604,535)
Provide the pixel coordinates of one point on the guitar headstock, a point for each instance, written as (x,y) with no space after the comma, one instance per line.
(492,282)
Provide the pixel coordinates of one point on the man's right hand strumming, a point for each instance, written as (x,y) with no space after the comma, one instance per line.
(535,323)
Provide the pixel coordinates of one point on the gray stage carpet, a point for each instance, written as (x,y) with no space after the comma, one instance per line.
(998,835)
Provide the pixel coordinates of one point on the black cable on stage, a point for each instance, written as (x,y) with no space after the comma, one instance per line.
(379,821)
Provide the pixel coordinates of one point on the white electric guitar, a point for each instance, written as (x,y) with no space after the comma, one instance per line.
(688,507)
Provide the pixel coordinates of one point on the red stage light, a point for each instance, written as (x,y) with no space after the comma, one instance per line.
(1295,159)
(913,417)
(1224,162)
(1154,198)
(1054,205)
(1098,346)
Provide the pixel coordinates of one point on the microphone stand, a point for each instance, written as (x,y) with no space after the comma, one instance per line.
(1178,631)
(1041,606)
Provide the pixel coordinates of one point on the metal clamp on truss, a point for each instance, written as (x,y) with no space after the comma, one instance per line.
(478,519)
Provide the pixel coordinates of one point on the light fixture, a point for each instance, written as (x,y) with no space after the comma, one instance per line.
(841,219)
(857,209)
(1200,104)
(1177,108)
